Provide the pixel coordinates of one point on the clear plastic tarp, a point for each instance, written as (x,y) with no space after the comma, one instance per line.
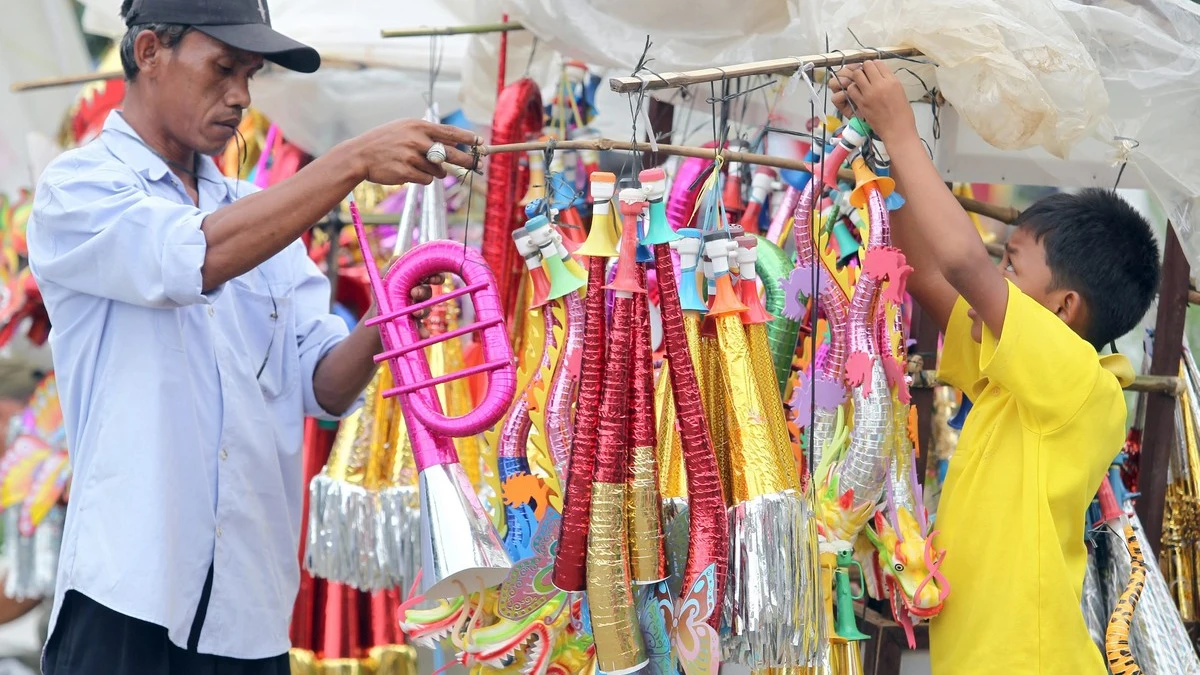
(1031,77)
(1065,85)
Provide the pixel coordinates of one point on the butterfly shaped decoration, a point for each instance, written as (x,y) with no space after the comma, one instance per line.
(528,586)
(697,645)
(655,613)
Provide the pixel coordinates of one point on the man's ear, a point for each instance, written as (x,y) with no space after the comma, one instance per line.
(148,52)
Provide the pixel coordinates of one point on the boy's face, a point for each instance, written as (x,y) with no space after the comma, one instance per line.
(1024,264)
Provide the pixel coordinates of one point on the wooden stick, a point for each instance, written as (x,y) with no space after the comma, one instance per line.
(67,80)
(427,31)
(1005,214)
(1158,384)
(785,66)
(84,78)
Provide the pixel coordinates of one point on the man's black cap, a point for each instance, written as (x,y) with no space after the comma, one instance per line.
(245,24)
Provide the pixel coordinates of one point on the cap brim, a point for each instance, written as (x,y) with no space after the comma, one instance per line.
(276,47)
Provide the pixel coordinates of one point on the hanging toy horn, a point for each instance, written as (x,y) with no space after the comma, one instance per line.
(460,548)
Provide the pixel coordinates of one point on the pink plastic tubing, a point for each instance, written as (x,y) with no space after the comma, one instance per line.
(514,437)
(261,174)
(831,300)
(862,317)
(787,205)
(560,431)
(428,428)
(683,200)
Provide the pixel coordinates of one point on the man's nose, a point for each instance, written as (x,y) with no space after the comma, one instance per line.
(239,95)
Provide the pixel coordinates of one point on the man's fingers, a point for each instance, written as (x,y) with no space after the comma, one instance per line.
(423,165)
(452,135)
(459,158)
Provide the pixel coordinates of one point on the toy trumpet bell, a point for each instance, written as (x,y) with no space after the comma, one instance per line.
(654,185)
(632,201)
(533,262)
(688,246)
(719,247)
(864,176)
(562,281)
(602,238)
(450,511)
(847,244)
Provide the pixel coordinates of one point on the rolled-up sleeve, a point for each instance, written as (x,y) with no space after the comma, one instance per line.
(100,233)
(317,329)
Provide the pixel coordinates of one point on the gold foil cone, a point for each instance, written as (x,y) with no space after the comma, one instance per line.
(672,480)
(768,391)
(619,645)
(716,411)
(753,455)
(303,662)
(394,660)
(346,667)
(646,558)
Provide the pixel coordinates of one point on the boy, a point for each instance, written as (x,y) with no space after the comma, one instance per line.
(1022,342)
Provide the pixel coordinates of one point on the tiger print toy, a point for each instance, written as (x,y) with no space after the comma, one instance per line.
(1116,638)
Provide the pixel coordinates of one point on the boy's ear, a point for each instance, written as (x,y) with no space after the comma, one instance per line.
(1071,309)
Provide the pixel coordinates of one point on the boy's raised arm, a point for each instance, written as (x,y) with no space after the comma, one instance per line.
(935,231)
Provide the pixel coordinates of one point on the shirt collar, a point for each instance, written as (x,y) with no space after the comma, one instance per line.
(1119,366)
(129,147)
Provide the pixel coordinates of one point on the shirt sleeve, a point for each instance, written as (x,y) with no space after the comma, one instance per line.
(99,233)
(1048,368)
(959,362)
(317,329)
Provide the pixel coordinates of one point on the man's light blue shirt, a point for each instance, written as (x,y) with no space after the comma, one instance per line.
(184,410)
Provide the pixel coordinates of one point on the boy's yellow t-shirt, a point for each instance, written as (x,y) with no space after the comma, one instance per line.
(1048,419)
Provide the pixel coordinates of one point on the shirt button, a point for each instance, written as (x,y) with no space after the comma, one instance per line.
(212,311)
(218,532)
(224,453)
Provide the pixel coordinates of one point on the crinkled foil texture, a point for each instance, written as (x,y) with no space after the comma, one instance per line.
(708,527)
(570,559)
(32,562)
(619,646)
(643,508)
(772,603)
(864,469)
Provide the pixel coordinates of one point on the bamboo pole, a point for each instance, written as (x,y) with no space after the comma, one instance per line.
(1004,214)
(1159,384)
(426,31)
(84,78)
(67,80)
(784,66)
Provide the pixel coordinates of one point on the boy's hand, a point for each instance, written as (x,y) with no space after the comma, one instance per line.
(877,96)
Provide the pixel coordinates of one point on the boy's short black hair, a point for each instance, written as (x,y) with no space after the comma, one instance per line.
(1101,247)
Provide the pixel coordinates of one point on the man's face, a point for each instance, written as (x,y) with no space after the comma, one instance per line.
(200,90)
(1024,264)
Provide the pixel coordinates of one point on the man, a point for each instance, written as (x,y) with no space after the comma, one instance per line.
(191,336)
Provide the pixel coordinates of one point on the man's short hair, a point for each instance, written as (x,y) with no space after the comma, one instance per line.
(168,33)
(1101,247)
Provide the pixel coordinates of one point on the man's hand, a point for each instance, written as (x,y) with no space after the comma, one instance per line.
(394,153)
(877,96)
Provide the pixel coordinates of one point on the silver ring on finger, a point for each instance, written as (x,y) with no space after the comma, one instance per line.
(436,153)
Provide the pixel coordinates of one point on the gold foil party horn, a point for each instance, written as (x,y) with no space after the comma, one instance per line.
(769,545)
(644,507)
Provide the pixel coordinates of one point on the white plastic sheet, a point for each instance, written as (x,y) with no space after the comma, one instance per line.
(341,101)
(1022,74)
